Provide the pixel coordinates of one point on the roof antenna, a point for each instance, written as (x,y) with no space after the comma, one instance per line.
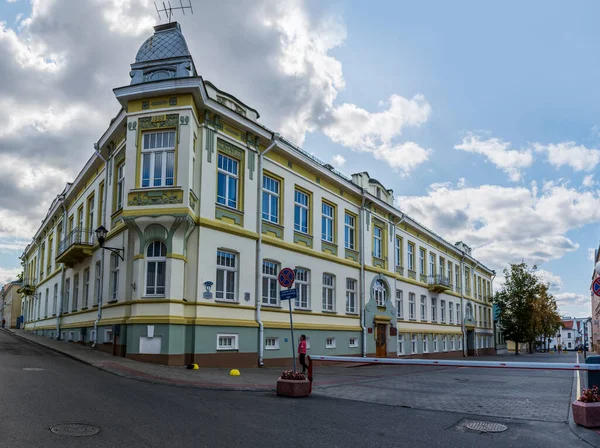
(168,10)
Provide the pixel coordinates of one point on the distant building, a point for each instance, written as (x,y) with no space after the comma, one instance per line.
(10,304)
(574,333)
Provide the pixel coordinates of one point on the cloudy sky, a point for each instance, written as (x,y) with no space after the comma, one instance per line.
(484,119)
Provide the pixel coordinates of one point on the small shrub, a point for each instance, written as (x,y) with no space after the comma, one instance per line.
(291,375)
(590,395)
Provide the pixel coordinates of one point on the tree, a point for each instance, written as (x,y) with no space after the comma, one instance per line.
(515,303)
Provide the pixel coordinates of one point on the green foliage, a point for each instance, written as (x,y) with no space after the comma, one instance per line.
(527,310)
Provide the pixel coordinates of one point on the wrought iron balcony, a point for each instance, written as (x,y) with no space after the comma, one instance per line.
(438,283)
(76,247)
(27,286)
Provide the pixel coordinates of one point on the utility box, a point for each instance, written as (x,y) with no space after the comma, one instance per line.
(593,376)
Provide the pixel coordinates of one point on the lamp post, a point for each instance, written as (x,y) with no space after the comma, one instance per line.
(101,233)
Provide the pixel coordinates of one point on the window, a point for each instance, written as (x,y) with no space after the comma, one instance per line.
(350,295)
(50,254)
(55,299)
(227,181)
(435,343)
(108,336)
(440,270)
(327,222)
(86,287)
(431,264)
(66,295)
(328,292)
(457,314)
(75,292)
(120,185)
(272,344)
(400,344)
(227,341)
(303,288)
(568,335)
(449,272)
(46,303)
(425,338)
(114,277)
(480,316)
(226,275)
(98,294)
(411,257)
(423,308)
(445,343)
(457,277)
(422,261)
(398,251)
(377,234)
(399,304)
(411,305)
(433,309)
(353,342)
(270,204)
(349,231)
(443,310)
(450,312)
(380,293)
(156,267)
(459,342)
(158,159)
(569,345)
(270,286)
(301,204)
(452,343)
(413,344)
(90,217)
(330,343)
(43,250)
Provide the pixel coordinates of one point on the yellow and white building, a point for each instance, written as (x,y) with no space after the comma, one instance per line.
(203,206)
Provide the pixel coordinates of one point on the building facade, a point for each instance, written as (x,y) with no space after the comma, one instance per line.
(10,304)
(595,303)
(575,332)
(203,206)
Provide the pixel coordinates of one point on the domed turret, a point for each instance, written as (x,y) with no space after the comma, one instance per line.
(164,55)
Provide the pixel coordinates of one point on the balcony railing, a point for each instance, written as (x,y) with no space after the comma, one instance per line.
(28,286)
(438,283)
(75,247)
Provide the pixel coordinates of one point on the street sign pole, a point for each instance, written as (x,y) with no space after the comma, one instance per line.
(286,279)
(292,330)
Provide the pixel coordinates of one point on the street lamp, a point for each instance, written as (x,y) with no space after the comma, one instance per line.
(101,237)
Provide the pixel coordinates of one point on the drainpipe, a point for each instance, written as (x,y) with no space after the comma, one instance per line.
(261,329)
(396,279)
(492,318)
(99,316)
(462,300)
(473,291)
(361,231)
(62,271)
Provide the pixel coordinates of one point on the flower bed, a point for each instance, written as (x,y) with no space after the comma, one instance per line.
(293,384)
(586,410)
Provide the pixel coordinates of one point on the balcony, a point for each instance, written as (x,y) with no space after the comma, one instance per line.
(76,247)
(438,283)
(28,286)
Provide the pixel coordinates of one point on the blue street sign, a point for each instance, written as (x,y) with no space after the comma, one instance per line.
(596,286)
(287,294)
(286,277)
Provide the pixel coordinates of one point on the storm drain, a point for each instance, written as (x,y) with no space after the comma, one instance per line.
(481,426)
(75,429)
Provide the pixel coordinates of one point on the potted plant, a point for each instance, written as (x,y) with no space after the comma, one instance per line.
(293,384)
(586,410)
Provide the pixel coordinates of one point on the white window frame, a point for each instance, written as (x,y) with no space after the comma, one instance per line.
(114,276)
(413,344)
(86,288)
(449,270)
(423,307)
(272,343)
(327,222)
(443,311)
(450,312)
(431,263)
(411,305)
(459,343)
(155,153)
(444,343)
(398,251)
(235,338)
(98,283)
(349,231)
(120,185)
(302,284)
(377,241)
(55,301)
(411,256)
(353,342)
(271,194)
(270,269)
(351,295)
(435,343)
(433,309)
(226,269)
(66,296)
(302,210)
(452,343)
(441,263)
(75,301)
(399,304)
(328,292)
(425,341)
(422,261)
(108,336)
(152,290)
(400,348)
(330,342)
(229,171)
(380,292)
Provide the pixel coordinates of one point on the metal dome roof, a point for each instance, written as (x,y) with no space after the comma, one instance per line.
(167,42)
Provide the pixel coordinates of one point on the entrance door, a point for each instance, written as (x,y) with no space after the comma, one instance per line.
(380,343)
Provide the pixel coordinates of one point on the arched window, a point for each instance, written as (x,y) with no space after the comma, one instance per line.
(156,266)
(380,292)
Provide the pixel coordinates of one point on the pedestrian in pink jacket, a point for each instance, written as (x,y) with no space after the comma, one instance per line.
(302,352)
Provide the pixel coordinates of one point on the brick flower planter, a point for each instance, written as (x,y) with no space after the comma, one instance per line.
(586,414)
(293,388)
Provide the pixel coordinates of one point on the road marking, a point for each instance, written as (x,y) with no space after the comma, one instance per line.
(33,369)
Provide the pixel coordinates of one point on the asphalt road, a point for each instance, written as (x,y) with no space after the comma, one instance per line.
(137,414)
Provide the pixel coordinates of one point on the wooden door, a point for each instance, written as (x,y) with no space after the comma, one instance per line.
(380,342)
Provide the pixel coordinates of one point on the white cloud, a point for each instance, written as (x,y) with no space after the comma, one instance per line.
(8,275)
(554,281)
(588,181)
(462,182)
(505,225)
(338,160)
(511,161)
(570,154)
(571,304)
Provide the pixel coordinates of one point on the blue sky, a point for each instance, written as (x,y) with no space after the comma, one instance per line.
(489,111)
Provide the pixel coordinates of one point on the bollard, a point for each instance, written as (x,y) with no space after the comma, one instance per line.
(593,376)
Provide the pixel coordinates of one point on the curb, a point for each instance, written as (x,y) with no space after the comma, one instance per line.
(162,382)
(588,436)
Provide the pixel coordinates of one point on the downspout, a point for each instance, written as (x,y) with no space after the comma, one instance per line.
(397,261)
(62,271)
(99,316)
(361,231)
(258,264)
(473,291)
(462,301)
(492,319)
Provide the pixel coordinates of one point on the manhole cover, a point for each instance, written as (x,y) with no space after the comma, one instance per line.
(486,426)
(33,369)
(75,429)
